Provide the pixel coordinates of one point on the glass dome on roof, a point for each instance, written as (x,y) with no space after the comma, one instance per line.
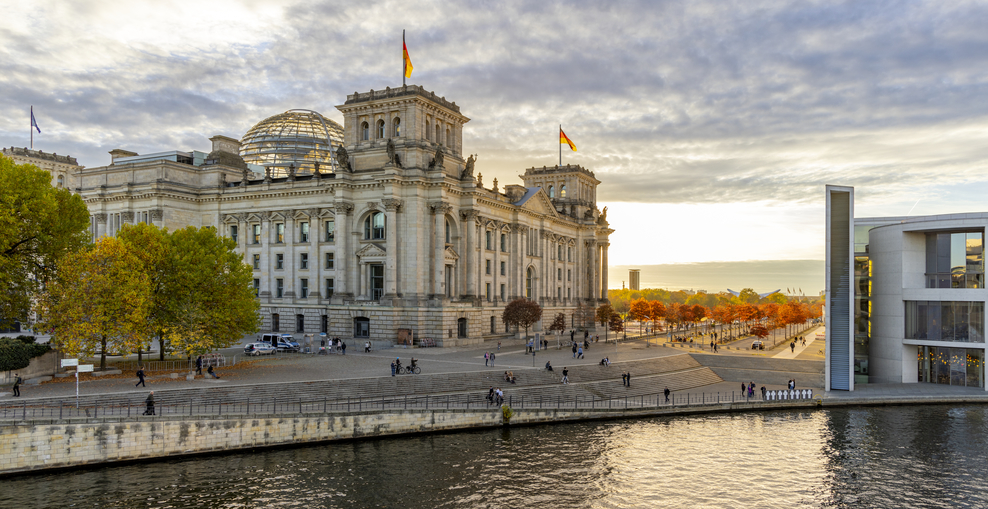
(295,137)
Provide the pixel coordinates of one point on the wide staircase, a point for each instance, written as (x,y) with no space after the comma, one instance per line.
(649,377)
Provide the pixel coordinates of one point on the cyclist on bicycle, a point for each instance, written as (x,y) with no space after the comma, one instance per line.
(413,361)
(397,365)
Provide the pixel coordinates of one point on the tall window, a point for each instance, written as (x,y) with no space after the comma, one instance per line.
(303,261)
(329,288)
(396,127)
(488,267)
(303,285)
(488,240)
(279,229)
(503,294)
(380,129)
(569,275)
(559,253)
(324,323)
(330,230)
(303,231)
(955,260)
(559,274)
(361,327)
(257,262)
(449,138)
(503,267)
(233,233)
(562,191)
(374,226)
(377,280)
(487,292)
(257,287)
(569,254)
(447,232)
(365,131)
(530,283)
(299,323)
(257,234)
(504,243)
(279,289)
(279,261)
(552,192)
(275,322)
(438,139)
(330,261)
(493,324)
(61,180)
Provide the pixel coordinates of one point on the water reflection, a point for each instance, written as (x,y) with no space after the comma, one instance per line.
(870,457)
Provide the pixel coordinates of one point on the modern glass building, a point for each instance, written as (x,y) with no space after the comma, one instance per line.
(918,298)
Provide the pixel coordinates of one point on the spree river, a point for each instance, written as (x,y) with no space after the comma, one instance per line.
(922,456)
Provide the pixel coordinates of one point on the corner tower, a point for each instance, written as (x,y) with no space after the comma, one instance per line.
(572,188)
(420,124)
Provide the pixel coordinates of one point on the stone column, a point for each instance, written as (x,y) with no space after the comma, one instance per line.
(603,270)
(440,210)
(100,224)
(266,269)
(590,248)
(391,207)
(290,256)
(496,262)
(316,260)
(470,225)
(342,262)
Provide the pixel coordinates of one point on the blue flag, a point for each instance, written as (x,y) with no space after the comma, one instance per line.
(34,123)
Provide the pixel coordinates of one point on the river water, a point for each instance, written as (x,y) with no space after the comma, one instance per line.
(923,456)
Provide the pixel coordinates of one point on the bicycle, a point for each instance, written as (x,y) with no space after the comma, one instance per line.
(409,370)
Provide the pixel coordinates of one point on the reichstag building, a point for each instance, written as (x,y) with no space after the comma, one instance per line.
(373,227)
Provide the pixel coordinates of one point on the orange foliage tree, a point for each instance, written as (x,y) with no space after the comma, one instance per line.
(657,311)
(640,310)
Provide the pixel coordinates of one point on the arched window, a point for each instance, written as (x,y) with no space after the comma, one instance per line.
(365,130)
(438,133)
(449,138)
(461,327)
(448,236)
(396,127)
(374,226)
(552,192)
(428,132)
(562,191)
(61,180)
(380,129)
(530,283)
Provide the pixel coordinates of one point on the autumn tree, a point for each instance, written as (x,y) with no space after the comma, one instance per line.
(522,313)
(151,246)
(615,323)
(640,310)
(39,224)
(604,313)
(558,323)
(759,331)
(657,311)
(98,303)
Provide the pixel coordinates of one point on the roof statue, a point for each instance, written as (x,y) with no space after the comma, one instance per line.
(468,169)
(343,159)
(393,157)
(437,161)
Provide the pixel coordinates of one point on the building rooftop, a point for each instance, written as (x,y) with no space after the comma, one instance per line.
(37,154)
(406,90)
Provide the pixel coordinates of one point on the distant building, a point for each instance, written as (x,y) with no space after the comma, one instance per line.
(63,169)
(905,299)
(634,276)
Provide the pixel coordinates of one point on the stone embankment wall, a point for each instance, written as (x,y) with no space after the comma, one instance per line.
(41,445)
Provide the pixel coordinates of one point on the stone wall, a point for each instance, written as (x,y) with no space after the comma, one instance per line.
(41,445)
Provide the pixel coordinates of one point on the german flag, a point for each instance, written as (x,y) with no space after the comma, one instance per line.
(408,61)
(564,139)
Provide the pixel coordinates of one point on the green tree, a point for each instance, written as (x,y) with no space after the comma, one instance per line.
(748,296)
(209,298)
(777,298)
(522,313)
(17,354)
(151,245)
(39,224)
(98,303)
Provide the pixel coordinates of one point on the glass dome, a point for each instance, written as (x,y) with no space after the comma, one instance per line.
(295,137)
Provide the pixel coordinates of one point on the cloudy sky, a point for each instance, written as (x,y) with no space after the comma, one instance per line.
(713,126)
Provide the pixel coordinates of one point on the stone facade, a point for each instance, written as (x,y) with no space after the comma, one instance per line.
(64,169)
(402,235)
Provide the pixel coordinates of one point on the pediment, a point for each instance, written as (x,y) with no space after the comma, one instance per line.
(450,256)
(540,204)
(371,251)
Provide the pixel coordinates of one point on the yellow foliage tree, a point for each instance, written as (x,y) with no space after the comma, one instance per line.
(98,303)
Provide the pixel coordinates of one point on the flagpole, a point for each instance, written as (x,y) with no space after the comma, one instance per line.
(31,129)
(404,62)
(560,146)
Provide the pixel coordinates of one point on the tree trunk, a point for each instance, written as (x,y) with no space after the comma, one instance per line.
(161,346)
(102,354)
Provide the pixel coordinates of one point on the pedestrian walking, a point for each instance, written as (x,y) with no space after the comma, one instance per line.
(574,350)
(792,346)
(366,346)
(666,392)
(492,359)
(579,353)
(140,377)
(565,376)
(343,346)
(499,346)
(17,385)
(572,336)
(712,345)
(487,357)
(199,365)
(149,404)
(392,368)
(628,379)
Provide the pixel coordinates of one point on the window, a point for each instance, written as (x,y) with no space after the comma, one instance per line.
(559,293)
(396,127)
(303,230)
(329,288)
(257,234)
(504,243)
(330,261)
(361,327)
(559,253)
(257,262)
(374,226)
(461,327)
(61,180)
(257,287)
(324,324)
(448,232)
(530,283)
(428,132)
(233,233)
(303,261)
(955,260)
(299,323)
(487,291)
(377,280)
(503,293)
(552,192)
(365,131)
(438,140)
(562,191)
(279,288)
(945,321)
(380,129)
(568,293)
(449,138)
(569,275)
(304,287)
(279,261)
(488,240)
(493,324)
(569,254)
(279,229)
(487,266)
(503,269)
(275,322)
(559,274)
(330,231)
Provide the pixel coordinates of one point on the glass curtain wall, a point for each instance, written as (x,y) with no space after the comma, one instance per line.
(862,303)
(963,367)
(945,321)
(955,260)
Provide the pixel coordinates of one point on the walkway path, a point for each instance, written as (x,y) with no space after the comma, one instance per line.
(810,335)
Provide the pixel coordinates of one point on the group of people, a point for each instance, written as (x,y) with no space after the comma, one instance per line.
(578,349)
(337,345)
(489,358)
(792,384)
(495,396)
(396,365)
(606,361)
(209,371)
(509,376)
(626,378)
(748,390)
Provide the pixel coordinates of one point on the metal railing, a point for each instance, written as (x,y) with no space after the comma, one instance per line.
(215,360)
(66,409)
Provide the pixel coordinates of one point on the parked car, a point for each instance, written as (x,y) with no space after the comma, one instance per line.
(757,345)
(286,346)
(259,349)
